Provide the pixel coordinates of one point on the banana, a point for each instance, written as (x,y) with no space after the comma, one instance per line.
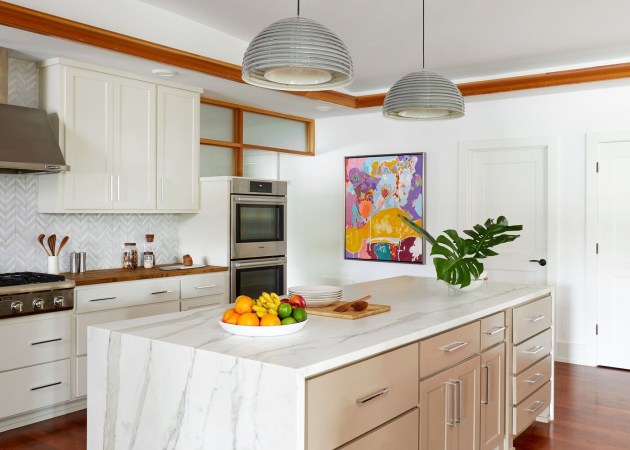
(261,314)
(266,296)
(275,298)
(273,311)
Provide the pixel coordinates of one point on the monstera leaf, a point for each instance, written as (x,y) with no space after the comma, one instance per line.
(457,259)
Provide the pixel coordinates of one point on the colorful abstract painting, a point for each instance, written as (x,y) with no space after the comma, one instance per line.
(378,189)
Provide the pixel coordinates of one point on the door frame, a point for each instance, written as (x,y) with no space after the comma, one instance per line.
(550,145)
(592,233)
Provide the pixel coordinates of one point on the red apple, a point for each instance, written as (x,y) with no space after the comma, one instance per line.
(284,300)
(297,301)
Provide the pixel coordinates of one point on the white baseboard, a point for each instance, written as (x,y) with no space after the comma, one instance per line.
(573,353)
(41,414)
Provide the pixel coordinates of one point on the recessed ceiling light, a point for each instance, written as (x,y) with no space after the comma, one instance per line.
(164,72)
(323,108)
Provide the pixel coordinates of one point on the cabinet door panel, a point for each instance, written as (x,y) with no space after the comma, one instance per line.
(437,409)
(89,139)
(466,375)
(134,144)
(492,418)
(178,149)
(399,434)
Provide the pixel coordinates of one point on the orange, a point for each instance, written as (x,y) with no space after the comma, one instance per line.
(248,319)
(243,304)
(231,316)
(269,320)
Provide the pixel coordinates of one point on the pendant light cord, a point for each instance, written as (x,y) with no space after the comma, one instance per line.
(299,7)
(422,31)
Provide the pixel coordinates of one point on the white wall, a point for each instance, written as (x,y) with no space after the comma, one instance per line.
(316,190)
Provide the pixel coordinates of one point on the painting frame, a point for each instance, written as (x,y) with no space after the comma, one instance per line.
(404,251)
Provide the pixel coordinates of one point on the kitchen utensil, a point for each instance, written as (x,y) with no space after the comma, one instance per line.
(328,311)
(40,238)
(346,306)
(53,265)
(64,241)
(52,240)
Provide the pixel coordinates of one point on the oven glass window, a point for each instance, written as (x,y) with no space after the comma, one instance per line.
(255,281)
(259,223)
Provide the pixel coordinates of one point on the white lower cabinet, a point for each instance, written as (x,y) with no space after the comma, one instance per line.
(80,385)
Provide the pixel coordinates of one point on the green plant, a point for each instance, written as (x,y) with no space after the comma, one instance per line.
(457,259)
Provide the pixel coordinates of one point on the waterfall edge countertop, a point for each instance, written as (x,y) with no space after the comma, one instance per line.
(159,382)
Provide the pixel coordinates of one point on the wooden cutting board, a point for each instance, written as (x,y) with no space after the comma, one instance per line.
(327,311)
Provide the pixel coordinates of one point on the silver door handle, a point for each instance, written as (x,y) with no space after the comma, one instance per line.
(458,418)
(46,342)
(534,350)
(487,400)
(117,188)
(454,346)
(537,318)
(262,199)
(377,394)
(161,292)
(533,409)
(536,379)
(449,385)
(494,330)
(162,189)
(102,299)
(206,287)
(45,386)
(111,188)
(275,262)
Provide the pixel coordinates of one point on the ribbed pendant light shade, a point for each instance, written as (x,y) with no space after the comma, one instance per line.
(423,95)
(297,54)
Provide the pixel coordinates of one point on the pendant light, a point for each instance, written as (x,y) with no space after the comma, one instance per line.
(423,95)
(297,54)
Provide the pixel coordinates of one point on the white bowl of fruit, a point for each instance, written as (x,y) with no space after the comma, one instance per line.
(268,315)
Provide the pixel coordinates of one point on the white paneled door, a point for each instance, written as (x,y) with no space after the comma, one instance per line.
(509,177)
(612,152)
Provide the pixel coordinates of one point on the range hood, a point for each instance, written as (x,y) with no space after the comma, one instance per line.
(27,142)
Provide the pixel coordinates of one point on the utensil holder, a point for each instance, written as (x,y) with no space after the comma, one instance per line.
(53,265)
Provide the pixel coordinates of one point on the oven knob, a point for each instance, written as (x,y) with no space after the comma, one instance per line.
(58,302)
(16,307)
(38,303)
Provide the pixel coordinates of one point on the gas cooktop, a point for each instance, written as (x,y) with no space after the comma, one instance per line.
(19,278)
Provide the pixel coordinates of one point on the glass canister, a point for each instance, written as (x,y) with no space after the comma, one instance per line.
(148,257)
(130,256)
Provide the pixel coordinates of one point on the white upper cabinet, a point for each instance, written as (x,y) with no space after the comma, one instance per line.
(132,145)
(178,149)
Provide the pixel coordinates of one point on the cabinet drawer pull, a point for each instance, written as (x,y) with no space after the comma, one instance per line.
(536,379)
(534,350)
(537,318)
(102,299)
(449,385)
(494,330)
(454,346)
(374,395)
(535,408)
(45,386)
(206,287)
(161,292)
(45,342)
(487,400)
(458,418)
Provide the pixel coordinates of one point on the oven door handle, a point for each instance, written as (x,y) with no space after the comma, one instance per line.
(278,262)
(262,199)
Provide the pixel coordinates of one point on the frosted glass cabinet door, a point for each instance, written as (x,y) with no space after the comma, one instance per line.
(270,131)
(89,139)
(177,149)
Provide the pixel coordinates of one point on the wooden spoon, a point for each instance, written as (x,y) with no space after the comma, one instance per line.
(52,240)
(40,238)
(359,303)
(64,241)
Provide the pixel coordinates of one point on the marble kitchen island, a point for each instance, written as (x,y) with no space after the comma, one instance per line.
(179,381)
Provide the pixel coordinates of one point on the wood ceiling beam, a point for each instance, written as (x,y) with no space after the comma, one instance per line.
(38,22)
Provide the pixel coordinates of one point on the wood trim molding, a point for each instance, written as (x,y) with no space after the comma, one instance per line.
(34,21)
(277,149)
(215,143)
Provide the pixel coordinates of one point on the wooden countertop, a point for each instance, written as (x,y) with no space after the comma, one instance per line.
(116,275)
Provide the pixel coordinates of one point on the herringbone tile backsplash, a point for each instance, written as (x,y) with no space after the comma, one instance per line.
(100,235)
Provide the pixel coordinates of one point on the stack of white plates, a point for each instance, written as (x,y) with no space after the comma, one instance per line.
(317,296)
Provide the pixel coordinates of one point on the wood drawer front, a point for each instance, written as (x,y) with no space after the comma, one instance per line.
(85,320)
(203,285)
(530,380)
(34,387)
(348,402)
(399,434)
(34,342)
(202,302)
(492,330)
(531,319)
(530,351)
(448,349)
(525,413)
(121,295)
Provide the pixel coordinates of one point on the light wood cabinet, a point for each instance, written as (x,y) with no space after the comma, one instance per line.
(492,417)
(398,434)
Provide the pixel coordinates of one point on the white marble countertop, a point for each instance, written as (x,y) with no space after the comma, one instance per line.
(420,307)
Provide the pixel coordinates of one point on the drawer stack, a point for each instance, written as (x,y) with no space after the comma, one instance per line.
(531,365)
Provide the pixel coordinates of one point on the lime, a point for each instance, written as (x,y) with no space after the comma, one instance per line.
(288,321)
(299,314)
(284,310)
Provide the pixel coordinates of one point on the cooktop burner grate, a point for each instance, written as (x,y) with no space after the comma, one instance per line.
(19,278)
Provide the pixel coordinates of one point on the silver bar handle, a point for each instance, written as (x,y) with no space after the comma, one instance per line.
(46,342)
(458,419)
(206,287)
(537,318)
(494,330)
(377,394)
(45,386)
(536,379)
(454,346)
(533,409)
(102,299)
(277,262)
(111,188)
(117,188)
(534,350)
(162,292)
(449,385)
(263,199)
(162,189)
(487,400)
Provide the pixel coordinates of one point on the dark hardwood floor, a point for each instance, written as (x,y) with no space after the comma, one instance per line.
(592,413)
